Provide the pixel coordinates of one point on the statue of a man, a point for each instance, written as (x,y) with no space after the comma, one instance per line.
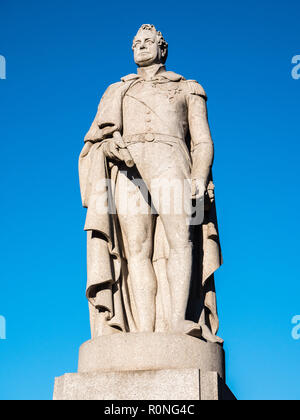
(150,271)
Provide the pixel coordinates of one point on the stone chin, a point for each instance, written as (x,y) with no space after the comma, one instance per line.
(146,60)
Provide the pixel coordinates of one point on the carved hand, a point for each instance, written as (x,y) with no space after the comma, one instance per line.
(112,150)
(198,188)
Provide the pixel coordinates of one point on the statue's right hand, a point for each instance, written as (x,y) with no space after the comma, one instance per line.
(112,150)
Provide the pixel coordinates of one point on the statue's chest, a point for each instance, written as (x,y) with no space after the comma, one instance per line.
(158,95)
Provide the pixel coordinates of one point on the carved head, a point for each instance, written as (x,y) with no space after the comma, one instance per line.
(149,46)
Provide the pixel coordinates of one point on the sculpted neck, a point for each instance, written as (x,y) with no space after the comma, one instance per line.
(150,72)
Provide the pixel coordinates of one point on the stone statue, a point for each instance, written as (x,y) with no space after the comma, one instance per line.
(151,270)
(152,241)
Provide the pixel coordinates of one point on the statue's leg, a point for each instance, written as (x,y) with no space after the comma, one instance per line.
(172,201)
(137,226)
(179,266)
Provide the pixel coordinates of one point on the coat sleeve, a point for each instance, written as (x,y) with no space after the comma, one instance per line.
(202,148)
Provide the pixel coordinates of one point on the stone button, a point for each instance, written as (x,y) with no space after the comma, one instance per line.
(148,119)
(149,137)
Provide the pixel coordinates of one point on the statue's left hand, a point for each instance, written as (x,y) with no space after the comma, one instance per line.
(211,191)
(198,188)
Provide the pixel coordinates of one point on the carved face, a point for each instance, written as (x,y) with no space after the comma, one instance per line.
(146,49)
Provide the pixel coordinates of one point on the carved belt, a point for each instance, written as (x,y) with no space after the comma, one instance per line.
(152,137)
(158,138)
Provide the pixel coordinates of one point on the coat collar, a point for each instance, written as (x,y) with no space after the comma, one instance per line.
(161,73)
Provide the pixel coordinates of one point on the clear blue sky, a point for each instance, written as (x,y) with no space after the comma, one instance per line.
(60,58)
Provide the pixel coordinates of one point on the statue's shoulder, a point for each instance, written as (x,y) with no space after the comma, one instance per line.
(113,88)
(189,86)
(172,76)
(116,88)
(194,88)
(129,78)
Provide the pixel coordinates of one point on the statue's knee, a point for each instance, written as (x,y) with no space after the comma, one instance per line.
(139,249)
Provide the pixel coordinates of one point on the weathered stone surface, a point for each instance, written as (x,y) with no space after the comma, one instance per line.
(213,388)
(144,385)
(184,384)
(150,351)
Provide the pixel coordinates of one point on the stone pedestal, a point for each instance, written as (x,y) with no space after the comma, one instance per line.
(146,366)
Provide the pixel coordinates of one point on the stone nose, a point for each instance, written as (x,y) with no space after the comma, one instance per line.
(142,45)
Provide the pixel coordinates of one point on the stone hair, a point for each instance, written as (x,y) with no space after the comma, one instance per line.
(161,41)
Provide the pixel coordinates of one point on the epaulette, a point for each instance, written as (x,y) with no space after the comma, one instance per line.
(195,88)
